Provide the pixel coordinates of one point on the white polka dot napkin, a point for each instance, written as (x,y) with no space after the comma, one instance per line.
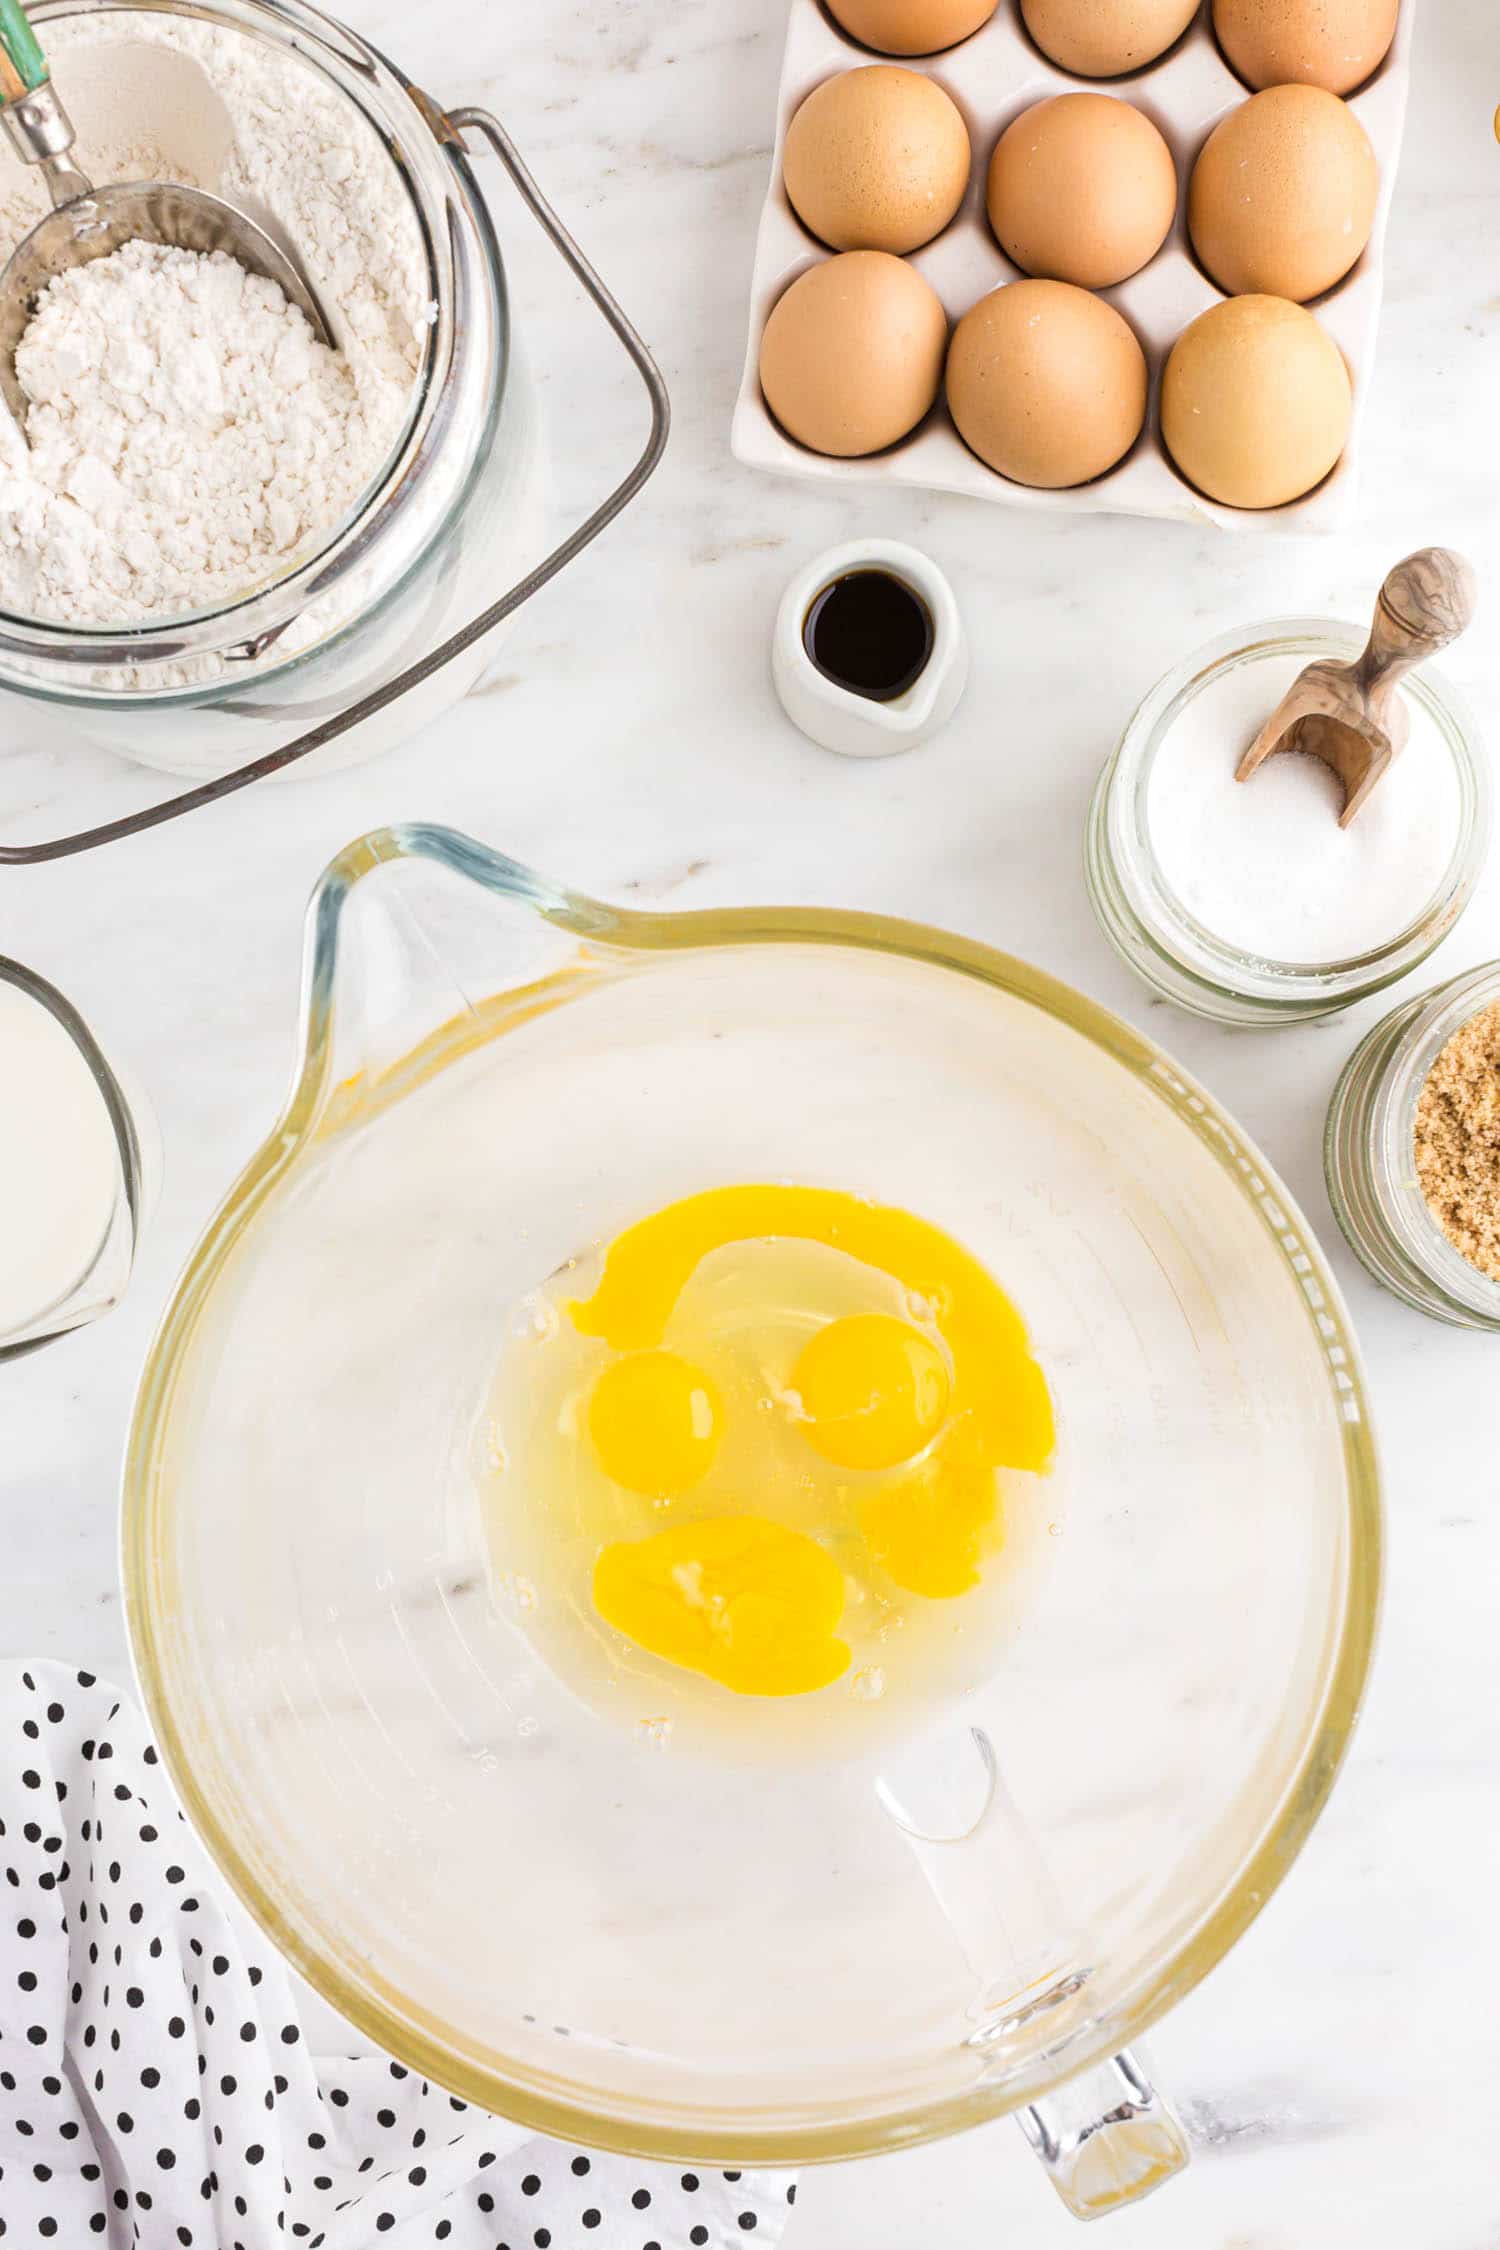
(155,2089)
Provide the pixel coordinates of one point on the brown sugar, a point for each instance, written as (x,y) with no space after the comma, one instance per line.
(1458,1141)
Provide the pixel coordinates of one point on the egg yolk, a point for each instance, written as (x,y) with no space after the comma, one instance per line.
(874,1391)
(926,1531)
(744,1601)
(654,1420)
(741,1599)
(993,1371)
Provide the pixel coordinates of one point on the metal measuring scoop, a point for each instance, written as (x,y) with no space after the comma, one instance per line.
(88,222)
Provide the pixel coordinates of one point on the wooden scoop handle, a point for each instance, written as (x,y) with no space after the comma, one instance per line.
(1425,603)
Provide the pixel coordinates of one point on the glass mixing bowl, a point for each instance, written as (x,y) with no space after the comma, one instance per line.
(812,1954)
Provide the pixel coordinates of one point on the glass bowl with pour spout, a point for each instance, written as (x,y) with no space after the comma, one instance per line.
(859,1941)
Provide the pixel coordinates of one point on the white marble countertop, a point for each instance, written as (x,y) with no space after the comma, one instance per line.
(1340,2071)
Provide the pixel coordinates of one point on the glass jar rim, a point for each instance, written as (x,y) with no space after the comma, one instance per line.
(58,1318)
(1414,1038)
(254,619)
(1210,961)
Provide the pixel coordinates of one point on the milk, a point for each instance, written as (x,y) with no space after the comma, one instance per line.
(60,1167)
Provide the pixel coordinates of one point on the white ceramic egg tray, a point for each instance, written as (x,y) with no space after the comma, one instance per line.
(994,76)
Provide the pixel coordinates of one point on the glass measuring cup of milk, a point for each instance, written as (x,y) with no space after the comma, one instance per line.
(845,1938)
(73,1170)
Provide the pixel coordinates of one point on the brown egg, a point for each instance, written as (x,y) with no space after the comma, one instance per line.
(1282,197)
(1046,383)
(1102,38)
(852,354)
(1335,44)
(911,27)
(876,159)
(1082,188)
(1255,402)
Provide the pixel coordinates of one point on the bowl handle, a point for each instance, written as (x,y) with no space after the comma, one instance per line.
(449,127)
(1106,2138)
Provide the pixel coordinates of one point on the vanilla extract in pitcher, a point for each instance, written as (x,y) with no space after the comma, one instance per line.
(870,633)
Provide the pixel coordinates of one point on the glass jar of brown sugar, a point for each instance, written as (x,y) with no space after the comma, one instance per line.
(1412,1151)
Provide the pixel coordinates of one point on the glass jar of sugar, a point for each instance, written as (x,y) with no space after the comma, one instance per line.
(76,1159)
(1372,1161)
(1246,902)
(295,118)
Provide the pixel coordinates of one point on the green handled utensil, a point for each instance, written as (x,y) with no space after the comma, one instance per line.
(23,66)
(88,222)
(34,118)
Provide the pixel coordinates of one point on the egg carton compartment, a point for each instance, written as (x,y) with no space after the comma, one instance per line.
(992,77)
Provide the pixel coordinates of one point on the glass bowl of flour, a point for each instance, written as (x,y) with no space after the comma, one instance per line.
(215,531)
(1245,901)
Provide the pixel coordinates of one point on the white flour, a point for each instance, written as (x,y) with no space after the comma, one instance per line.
(191,440)
(189,435)
(1263,863)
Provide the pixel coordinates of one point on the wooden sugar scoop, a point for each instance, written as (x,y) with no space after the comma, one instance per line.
(1352,716)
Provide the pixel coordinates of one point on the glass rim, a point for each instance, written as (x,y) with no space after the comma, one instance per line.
(1372,1125)
(46,1327)
(1166,931)
(395,2021)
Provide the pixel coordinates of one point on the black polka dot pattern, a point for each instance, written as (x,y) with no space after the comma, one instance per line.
(156,2090)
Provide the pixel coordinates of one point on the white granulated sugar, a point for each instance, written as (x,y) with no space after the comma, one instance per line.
(190,439)
(1264,864)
